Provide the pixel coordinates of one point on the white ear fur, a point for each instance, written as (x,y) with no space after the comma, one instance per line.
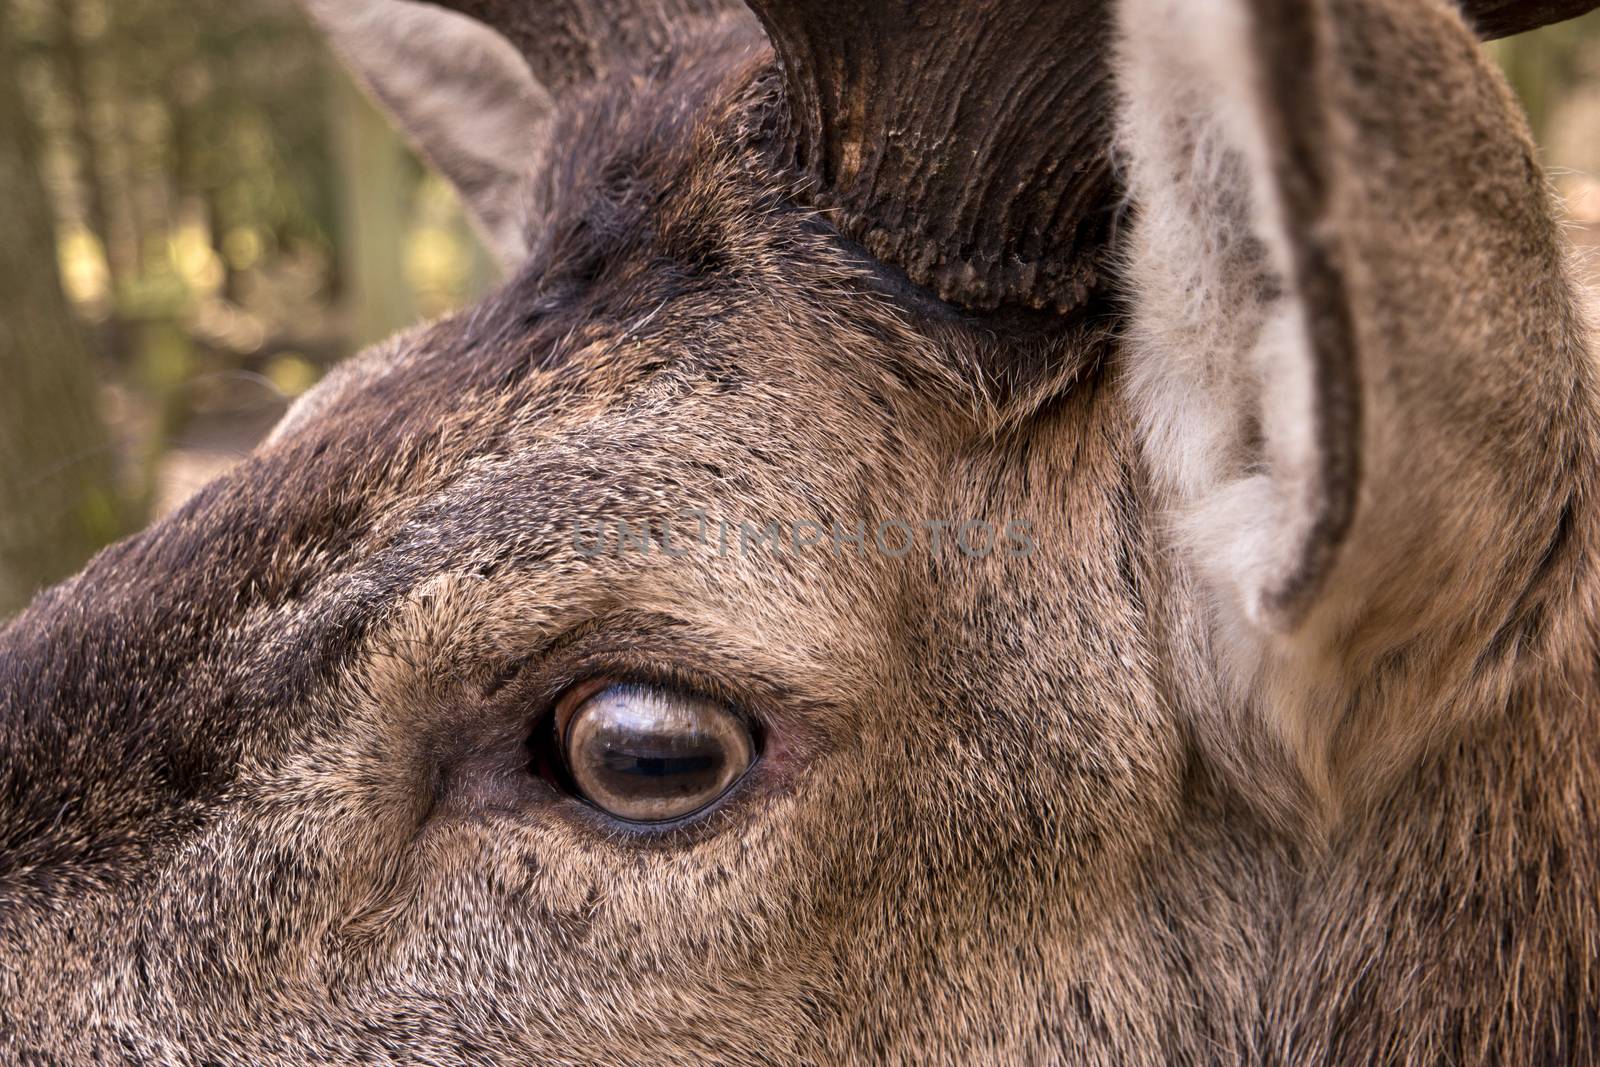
(460,92)
(1219,358)
(1250,442)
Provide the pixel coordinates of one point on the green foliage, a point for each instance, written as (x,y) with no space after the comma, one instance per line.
(1546,66)
(232,216)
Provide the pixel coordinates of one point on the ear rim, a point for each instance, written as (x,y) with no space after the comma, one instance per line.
(1298,137)
(384,44)
(1242,361)
(1268,501)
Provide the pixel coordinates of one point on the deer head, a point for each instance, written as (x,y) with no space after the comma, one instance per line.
(1018,531)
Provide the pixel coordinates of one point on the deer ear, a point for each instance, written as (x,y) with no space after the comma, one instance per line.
(1353,354)
(461,93)
(1241,348)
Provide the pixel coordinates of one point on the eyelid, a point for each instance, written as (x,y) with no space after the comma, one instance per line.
(666,652)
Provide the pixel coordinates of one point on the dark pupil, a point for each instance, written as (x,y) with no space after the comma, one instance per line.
(658,765)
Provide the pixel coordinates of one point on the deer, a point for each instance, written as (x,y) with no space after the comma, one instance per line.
(977,531)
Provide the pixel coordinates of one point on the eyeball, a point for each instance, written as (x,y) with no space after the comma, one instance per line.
(647,754)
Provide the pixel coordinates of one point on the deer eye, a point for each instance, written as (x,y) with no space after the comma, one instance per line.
(648,754)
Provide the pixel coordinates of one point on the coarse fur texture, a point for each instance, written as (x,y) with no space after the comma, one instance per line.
(1281,748)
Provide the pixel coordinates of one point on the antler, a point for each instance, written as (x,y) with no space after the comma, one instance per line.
(961,140)
(1502,18)
(569,41)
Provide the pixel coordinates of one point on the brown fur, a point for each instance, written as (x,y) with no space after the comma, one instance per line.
(264,793)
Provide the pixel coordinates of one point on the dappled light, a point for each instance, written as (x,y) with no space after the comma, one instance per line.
(230,216)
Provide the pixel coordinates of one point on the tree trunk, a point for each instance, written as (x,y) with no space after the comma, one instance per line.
(373,187)
(58,499)
(119,247)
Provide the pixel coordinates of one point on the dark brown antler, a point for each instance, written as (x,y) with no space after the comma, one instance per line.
(961,140)
(1502,18)
(567,41)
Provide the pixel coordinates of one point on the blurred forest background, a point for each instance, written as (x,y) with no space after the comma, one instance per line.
(200,215)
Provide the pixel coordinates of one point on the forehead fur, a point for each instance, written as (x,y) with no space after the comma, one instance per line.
(673,277)
(246,747)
